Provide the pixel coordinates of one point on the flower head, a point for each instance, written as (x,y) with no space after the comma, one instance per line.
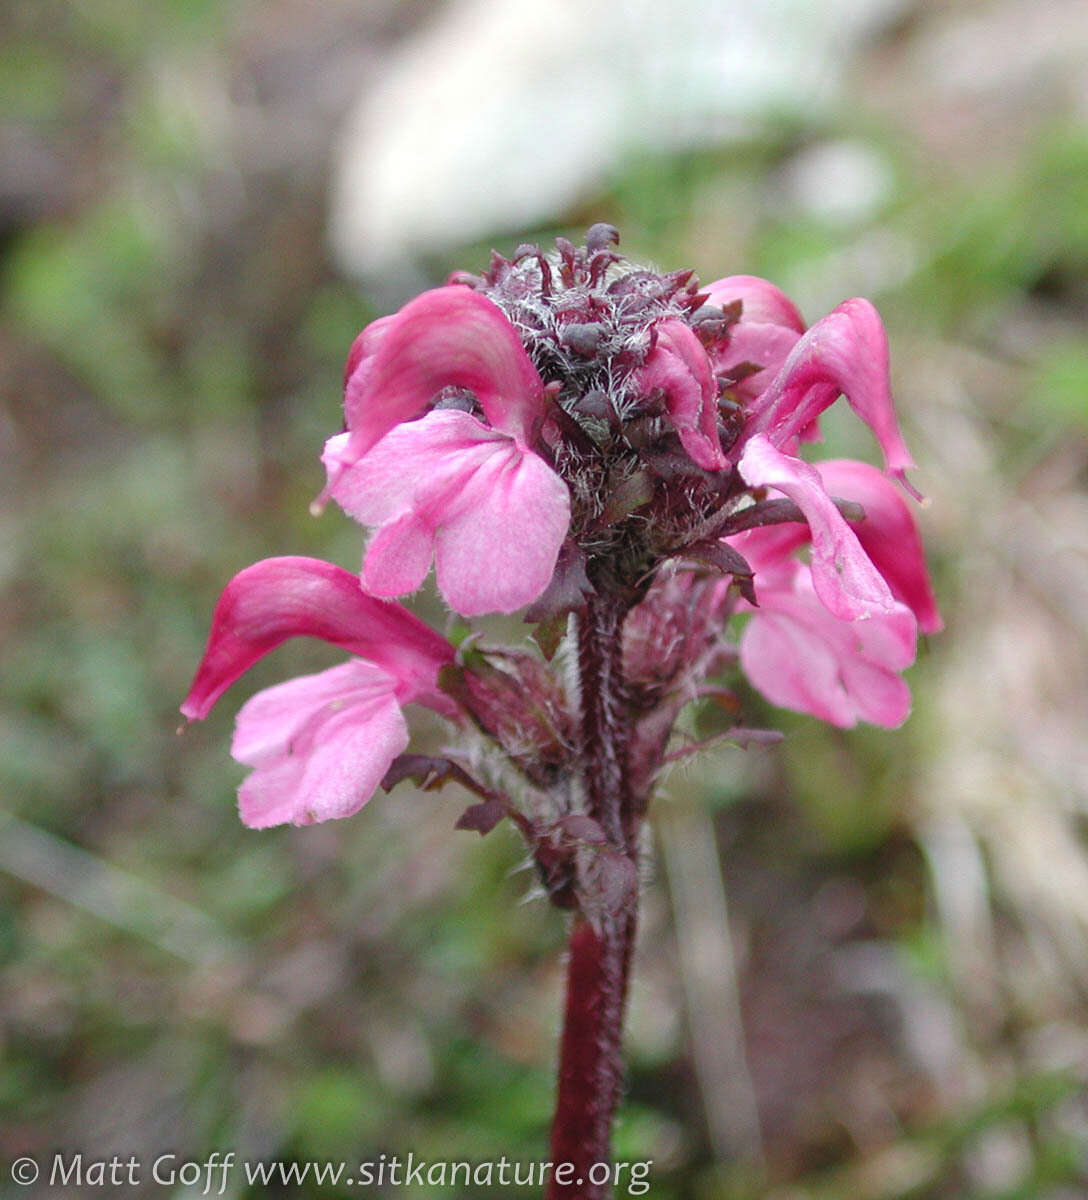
(571,434)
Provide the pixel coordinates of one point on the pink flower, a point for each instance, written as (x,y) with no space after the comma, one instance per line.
(473,496)
(815,644)
(320,744)
(574,485)
(805,371)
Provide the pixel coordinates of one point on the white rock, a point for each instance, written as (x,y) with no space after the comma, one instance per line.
(501,114)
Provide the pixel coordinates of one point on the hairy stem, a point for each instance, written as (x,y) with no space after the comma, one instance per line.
(590,1059)
(606,720)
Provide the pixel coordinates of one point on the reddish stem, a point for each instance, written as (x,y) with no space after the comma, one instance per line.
(606,720)
(590,1059)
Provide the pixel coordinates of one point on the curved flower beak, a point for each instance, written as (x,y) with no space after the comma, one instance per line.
(281,598)
(363,349)
(448,337)
(845,352)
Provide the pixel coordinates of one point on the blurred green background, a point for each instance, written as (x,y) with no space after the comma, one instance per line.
(864,961)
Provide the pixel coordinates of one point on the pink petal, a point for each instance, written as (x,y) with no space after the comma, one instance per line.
(880,696)
(494,512)
(320,745)
(845,352)
(447,337)
(363,348)
(845,580)
(499,552)
(280,598)
(273,721)
(800,656)
(793,669)
(762,302)
(888,535)
(428,456)
(678,365)
(399,556)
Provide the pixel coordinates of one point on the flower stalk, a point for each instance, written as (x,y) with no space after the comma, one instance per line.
(599,963)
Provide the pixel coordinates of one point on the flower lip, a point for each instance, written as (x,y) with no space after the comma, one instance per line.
(800,656)
(491,513)
(319,745)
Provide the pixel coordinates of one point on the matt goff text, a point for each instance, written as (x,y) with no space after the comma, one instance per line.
(167,1169)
